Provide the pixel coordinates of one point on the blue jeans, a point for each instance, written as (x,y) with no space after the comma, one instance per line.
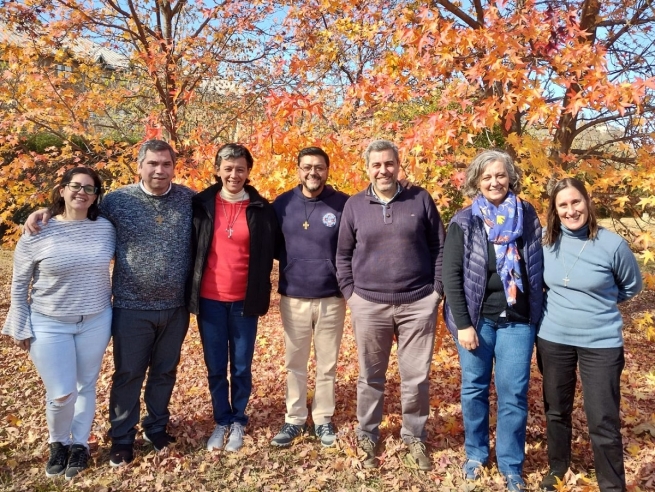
(509,345)
(227,334)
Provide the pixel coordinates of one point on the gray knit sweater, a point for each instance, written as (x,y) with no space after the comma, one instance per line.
(62,271)
(152,260)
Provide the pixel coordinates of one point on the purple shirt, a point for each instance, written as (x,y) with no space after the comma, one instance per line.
(390,254)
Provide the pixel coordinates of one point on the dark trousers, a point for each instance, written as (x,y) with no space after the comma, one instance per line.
(144,341)
(600,373)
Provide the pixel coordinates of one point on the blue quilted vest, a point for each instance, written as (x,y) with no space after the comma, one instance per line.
(476,259)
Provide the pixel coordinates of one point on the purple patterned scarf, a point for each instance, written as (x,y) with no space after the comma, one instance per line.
(505,226)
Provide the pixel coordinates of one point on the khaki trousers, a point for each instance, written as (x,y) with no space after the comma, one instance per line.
(374,326)
(322,320)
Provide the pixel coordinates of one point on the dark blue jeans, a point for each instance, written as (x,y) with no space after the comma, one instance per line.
(144,341)
(506,350)
(600,373)
(228,335)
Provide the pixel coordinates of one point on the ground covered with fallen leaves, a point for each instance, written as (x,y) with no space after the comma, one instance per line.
(306,466)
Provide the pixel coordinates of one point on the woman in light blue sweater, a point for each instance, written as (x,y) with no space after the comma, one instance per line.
(588,271)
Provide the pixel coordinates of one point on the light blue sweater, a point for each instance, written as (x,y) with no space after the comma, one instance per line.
(585,312)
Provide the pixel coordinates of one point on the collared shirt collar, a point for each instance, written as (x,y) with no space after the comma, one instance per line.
(143,188)
(384,201)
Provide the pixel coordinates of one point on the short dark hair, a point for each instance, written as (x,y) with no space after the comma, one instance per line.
(314,151)
(234,151)
(57,204)
(554,224)
(154,146)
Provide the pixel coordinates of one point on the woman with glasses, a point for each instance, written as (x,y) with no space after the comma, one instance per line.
(234,233)
(61,312)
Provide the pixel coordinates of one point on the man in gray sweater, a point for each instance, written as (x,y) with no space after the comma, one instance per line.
(150,318)
(389,257)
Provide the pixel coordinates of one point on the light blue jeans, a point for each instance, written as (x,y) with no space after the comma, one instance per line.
(508,346)
(67,352)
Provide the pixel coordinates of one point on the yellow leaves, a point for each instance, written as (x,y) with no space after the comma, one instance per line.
(500,219)
(650,377)
(634,449)
(620,202)
(646,202)
(14,420)
(647,256)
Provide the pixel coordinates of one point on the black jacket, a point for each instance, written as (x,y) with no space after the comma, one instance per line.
(263,227)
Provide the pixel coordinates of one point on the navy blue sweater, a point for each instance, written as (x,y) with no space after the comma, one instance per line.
(307,256)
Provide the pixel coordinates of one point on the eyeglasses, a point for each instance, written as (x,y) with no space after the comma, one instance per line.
(318,169)
(88,189)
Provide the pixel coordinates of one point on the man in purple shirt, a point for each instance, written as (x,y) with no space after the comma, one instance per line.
(389,256)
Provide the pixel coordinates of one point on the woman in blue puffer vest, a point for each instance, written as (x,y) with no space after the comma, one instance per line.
(493,281)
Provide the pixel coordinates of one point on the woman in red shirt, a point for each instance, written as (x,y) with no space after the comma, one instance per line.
(234,230)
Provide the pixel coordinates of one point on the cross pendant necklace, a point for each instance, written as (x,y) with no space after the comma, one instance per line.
(232,220)
(153,203)
(306,223)
(566,278)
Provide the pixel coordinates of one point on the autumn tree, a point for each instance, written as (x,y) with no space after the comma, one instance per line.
(193,73)
(565,86)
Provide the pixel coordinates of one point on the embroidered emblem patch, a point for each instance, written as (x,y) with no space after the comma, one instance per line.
(329,219)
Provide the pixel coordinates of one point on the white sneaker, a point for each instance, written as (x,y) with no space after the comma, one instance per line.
(217,439)
(235,441)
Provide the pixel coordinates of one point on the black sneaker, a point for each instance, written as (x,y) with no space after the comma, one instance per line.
(287,434)
(549,482)
(56,465)
(159,440)
(78,460)
(121,454)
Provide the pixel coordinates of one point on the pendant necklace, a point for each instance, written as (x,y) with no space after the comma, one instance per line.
(230,222)
(566,276)
(158,218)
(306,223)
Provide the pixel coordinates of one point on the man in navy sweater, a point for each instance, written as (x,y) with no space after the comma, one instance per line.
(311,304)
(389,258)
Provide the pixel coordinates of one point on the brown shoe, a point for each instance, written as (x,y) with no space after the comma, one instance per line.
(418,452)
(368,447)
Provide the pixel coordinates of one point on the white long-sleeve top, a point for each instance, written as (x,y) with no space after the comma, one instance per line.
(61,271)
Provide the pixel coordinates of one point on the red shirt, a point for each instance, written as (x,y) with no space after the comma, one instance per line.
(226,271)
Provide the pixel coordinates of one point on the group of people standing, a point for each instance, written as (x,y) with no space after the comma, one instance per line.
(382,252)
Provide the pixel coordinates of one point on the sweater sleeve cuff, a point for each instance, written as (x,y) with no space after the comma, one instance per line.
(347,291)
(438,288)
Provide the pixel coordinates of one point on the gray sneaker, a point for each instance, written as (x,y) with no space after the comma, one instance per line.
(368,447)
(288,433)
(326,433)
(235,441)
(217,439)
(418,452)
